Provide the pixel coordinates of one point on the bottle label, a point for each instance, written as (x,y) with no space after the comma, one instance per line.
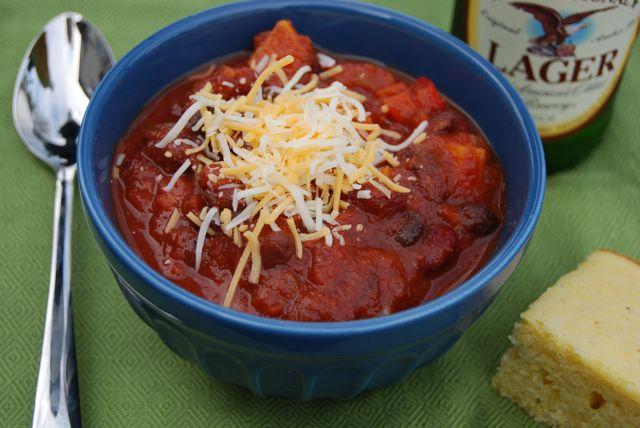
(565,57)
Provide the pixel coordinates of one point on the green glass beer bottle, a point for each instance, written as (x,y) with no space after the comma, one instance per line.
(565,58)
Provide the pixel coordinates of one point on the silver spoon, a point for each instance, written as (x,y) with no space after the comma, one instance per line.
(58,75)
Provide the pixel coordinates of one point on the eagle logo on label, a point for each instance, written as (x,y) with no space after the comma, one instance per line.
(558,31)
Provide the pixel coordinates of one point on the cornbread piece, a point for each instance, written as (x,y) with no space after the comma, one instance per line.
(576,354)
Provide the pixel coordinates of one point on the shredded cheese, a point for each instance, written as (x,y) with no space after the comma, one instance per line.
(261,64)
(225,218)
(330,72)
(237,239)
(381,188)
(203,212)
(236,276)
(173,220)
(315,235)
(296,237)
(392,160)
(177,175)
(205,160)
(202,233)
(410,139)
(363,194)
(256,261)
(265,75)
(179,125)
(196,220)
(337,192)
(420,138)
(325,61)
(243,216)
(391,134)
(290,151)
(387,181)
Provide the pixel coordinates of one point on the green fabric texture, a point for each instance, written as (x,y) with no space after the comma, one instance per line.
(129,378)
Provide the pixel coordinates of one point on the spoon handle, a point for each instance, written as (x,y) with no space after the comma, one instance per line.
(57,400)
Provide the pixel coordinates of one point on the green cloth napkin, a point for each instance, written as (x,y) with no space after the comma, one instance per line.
(129,378)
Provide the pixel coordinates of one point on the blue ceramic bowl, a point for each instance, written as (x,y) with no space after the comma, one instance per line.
(295,359)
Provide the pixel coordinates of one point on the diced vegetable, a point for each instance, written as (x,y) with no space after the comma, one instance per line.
(356,74)
(284,40)
(427,96)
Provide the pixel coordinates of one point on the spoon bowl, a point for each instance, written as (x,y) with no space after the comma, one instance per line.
(57,77)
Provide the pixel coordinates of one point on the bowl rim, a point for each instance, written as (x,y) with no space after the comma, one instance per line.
(498,262)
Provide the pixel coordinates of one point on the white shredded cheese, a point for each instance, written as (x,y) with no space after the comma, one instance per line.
(186,141)
(406,143)
(262,64)
(177,175)
(202,233)
(227,186)
(325,61)
(244,215)
(381,188)
(179,125)
(296,78)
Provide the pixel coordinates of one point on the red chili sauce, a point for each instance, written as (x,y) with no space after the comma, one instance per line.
(411,247)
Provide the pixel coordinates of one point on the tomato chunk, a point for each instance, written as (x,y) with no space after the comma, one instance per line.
(140,173)
(469,161)
(356,74)
(277,292)
(232,81)
(401,104)
(363,279)
(427,96)
(378,204)
(284,40)
(259,38)
(276,248)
